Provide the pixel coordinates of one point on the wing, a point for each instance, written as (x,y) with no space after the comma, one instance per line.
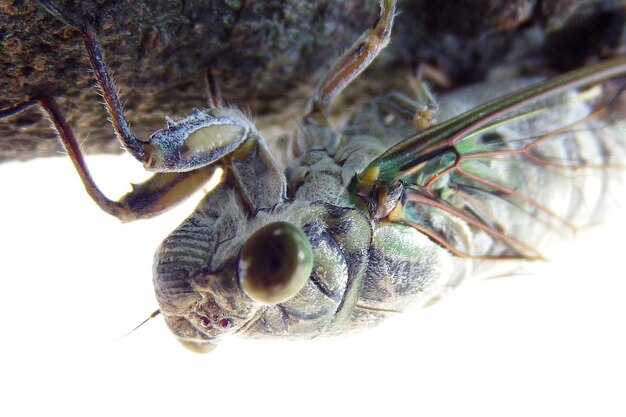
(505,177)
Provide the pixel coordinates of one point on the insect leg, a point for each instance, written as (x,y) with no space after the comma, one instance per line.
(421,109)
(420,114)
(107,86)
(213,90)
(152,197)
(112,102)
(353,62)
(424,116)
(164,190)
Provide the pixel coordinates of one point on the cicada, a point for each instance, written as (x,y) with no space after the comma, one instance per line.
(407,200)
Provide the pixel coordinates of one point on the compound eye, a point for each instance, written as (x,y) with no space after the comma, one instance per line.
(275,263)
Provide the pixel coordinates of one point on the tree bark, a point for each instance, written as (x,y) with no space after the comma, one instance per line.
(268,55)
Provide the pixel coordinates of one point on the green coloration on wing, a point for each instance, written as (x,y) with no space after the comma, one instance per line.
(491,166)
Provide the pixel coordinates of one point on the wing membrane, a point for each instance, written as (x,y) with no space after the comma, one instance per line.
(498,180)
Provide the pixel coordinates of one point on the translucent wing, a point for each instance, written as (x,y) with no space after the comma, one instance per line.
(500,179)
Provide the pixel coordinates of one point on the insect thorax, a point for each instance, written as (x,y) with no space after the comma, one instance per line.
(362,271)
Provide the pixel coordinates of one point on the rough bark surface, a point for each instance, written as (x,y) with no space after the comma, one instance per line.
(268,55)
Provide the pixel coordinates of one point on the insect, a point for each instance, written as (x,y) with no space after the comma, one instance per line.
(390,210)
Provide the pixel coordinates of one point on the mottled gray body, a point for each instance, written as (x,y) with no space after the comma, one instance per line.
(365,269)
(369,218)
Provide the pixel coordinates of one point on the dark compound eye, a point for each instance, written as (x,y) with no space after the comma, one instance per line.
(225,323)
(275,263)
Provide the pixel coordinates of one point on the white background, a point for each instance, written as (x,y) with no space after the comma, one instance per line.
(73,280)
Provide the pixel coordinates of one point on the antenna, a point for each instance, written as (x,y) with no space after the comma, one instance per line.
(153,315)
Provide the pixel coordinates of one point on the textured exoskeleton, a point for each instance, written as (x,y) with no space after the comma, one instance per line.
(391,209)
